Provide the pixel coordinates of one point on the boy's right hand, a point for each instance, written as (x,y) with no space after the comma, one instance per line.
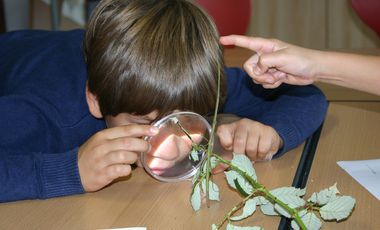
(109,154)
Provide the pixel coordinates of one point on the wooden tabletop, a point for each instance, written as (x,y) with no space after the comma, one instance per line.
(142,201)
(351,132)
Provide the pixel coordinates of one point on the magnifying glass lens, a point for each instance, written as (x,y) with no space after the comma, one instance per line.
(178,149)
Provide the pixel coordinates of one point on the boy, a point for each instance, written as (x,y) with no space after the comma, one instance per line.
(72,123)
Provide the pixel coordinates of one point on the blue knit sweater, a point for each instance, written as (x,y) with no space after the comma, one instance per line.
(44,115)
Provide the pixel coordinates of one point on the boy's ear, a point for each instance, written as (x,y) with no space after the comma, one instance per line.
(93,104)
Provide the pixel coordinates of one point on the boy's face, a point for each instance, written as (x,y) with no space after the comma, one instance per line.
(127,119)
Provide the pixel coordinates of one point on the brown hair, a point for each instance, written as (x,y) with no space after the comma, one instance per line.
(146,55)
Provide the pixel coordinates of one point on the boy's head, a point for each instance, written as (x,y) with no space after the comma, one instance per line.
(152,55)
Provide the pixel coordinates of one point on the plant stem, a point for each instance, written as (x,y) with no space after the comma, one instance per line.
(211,141)
(234,209)
(253,182)
(256,185)
(185,131)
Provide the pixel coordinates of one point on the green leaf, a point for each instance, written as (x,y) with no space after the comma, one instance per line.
(248,209)
(324,196)
(289,191)
(339,208)
(290,196)
(281,211)
(232,175)
(268,209)
(196,176)
(311,221)
(233,227)
(194,155)
(214,162)
(294,223)
(213,190)
(245,164)
(214,227)
(240,189)
(260,200)
(196,198)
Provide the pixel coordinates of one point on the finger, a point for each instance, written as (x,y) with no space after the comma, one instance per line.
(279,75)
(130,131)
(251,64)
(218,169)
(269,62)
(120,157)
(269,156)
(264,147)
(256,72)
(226,134)
(253,43)
(252,145)
(266,78)
(240,139)
(115,171)
(262,73)
(125,143)
(274,85)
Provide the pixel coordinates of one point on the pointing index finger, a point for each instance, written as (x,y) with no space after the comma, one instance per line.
(259,45)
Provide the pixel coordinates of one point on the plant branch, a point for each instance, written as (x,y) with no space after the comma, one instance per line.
(234,209)
(211,141)
(256,185)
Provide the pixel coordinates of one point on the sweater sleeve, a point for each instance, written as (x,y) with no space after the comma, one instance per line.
(27,175)
(29,167)
(295,112)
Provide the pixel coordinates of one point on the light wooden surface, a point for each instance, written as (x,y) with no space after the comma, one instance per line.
(236,56)
(142,201)
(351,132)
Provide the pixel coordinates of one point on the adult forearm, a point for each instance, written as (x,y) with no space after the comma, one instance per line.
(354,71)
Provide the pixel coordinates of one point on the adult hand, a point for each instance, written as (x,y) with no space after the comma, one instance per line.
(259,142)
(109,154)
(276,62)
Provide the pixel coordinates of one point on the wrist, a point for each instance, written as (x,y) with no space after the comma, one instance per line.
(319,67)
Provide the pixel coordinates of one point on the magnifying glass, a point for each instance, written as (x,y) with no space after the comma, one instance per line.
(172,157)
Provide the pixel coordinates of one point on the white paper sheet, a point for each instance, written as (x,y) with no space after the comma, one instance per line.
(366,172)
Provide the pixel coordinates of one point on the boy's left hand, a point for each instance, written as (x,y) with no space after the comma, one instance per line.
(258,141)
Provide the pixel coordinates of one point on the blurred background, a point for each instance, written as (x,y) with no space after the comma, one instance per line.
(340,25)
(321,24)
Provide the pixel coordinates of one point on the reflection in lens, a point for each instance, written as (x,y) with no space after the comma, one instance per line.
(169,158)
(173,150)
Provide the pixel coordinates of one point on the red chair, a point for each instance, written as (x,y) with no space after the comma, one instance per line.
(230,16)
(369,12)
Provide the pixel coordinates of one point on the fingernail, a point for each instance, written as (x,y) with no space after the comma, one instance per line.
(269,80)
(153,130)
(257,70)
(269,157)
